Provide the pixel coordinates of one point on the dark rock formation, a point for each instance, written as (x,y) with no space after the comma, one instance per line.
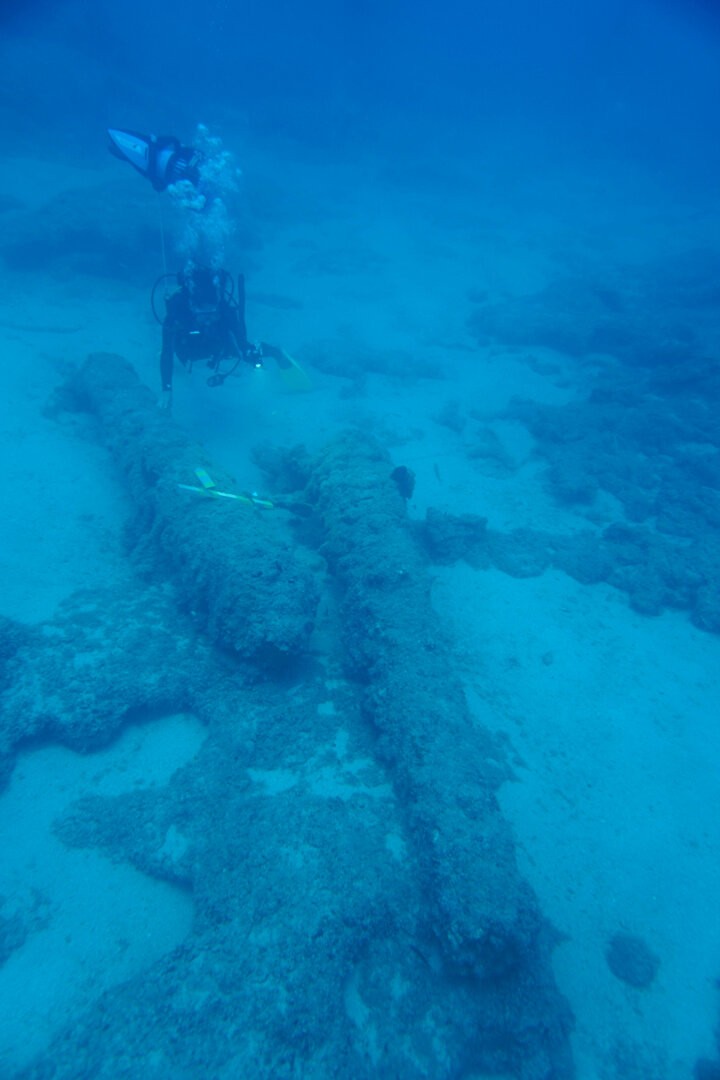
(645,316)
(480,913)
(106,658)
(358,909)
(660,458)
(450,537)
(235,566)
(644,429)
(631,960)
(296,895)
(642,563)
(105,231)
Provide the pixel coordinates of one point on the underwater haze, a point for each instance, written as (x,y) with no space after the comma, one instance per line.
(360,550)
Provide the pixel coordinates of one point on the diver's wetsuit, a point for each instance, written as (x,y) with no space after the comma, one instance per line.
(193,330)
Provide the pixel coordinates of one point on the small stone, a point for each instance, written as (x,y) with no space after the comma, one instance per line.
(631,960)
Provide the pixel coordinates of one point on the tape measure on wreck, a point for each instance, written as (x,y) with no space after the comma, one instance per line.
(208,488)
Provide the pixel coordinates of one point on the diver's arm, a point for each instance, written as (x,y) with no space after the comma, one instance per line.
(176,316)
(275,353)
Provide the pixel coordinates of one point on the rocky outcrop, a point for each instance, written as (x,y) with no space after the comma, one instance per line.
(237,570)
(480,915)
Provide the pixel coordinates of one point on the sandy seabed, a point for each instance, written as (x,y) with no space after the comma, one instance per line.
(611,716)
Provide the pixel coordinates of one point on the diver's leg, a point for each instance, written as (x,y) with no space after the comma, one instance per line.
(167,354)
(274,352)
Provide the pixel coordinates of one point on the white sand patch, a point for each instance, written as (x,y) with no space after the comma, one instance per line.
(63,511)
(92,923)
(617,803)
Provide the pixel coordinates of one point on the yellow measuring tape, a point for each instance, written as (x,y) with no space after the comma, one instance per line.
(207,487)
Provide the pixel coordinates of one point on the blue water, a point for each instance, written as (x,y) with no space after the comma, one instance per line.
(360,683)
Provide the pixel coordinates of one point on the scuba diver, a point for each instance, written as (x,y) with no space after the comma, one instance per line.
(204,320)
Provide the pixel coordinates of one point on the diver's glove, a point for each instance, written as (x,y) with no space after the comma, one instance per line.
(165,401)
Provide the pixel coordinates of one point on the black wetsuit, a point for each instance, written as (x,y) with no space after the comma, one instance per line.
(208,328)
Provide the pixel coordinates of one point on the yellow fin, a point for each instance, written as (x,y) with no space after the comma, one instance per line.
(294,379)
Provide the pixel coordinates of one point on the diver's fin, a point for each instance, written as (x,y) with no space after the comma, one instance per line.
(159,158)
(131,146)
(295,379)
